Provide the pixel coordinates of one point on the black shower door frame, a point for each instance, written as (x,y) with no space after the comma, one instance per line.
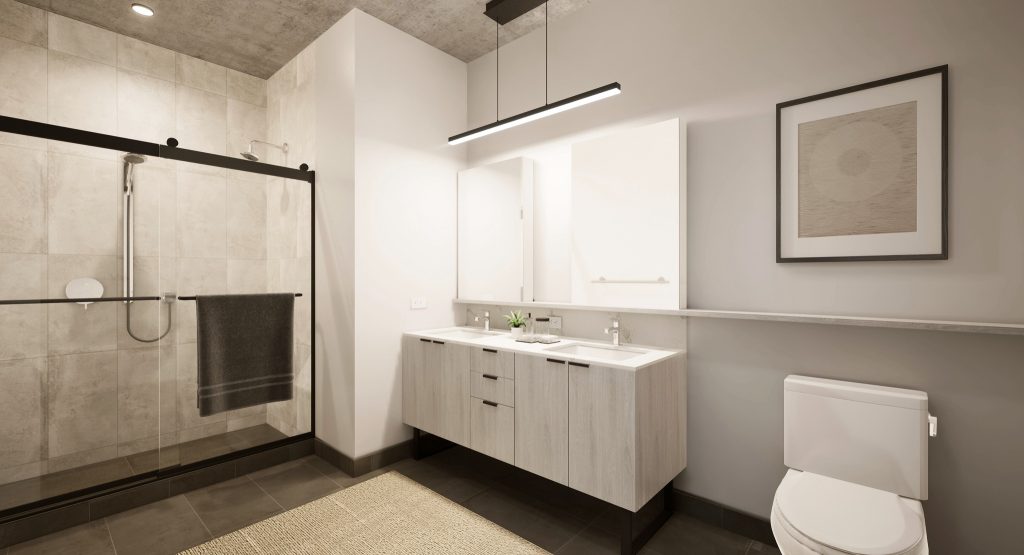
(169,151)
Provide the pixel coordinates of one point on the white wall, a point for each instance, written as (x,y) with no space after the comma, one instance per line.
(722,66)
(410,97)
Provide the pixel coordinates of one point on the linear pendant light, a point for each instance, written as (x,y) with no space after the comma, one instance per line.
(548,109)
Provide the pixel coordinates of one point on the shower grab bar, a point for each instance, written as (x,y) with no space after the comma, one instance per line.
(93,300)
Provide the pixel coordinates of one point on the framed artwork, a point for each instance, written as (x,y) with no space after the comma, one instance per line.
(861,172)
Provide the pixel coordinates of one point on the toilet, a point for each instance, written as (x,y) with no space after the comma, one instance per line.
(858,469)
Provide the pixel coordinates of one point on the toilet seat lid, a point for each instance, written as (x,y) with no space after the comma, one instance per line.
(849,517)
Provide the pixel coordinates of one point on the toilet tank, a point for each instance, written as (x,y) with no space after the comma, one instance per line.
(872,435)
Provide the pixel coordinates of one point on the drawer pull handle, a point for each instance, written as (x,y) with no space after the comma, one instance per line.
(490,403)
(580,364)
(490,377)
(495,351)
(439,342)
(556,361)
(425,340)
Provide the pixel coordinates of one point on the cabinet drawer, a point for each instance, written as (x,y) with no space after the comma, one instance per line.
(492,429)
(493,362)
(492,388)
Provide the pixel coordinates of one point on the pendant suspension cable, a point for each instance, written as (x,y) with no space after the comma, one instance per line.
(497,72)
(545,53)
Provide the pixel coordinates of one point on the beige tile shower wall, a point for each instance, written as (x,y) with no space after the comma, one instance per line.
(75,388)
(290,119)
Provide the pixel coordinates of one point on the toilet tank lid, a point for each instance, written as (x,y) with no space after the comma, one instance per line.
(865,393)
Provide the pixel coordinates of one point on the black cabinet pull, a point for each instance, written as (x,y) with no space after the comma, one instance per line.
(490,403)
(556,361)
(580,364)
(439,342)
(425,340)
(490,377)
(486,350)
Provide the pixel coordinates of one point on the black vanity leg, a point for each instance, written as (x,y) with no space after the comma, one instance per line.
(639,527)
(425,445)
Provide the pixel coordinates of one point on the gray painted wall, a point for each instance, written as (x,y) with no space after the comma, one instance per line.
(722,66)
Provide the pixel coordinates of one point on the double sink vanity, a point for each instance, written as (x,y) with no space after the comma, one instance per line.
(609,421)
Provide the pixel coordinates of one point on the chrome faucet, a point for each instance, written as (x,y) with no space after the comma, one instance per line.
(487,319)
(614,331)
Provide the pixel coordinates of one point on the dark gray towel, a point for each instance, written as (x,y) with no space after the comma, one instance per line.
(245,350)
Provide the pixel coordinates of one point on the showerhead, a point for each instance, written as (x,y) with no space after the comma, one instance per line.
(253,157)
(130,158)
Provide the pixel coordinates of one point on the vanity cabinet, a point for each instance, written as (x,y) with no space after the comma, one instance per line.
(615,433)
(627,430)
(435,384)
(542,421)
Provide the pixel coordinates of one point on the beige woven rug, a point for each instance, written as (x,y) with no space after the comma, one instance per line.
(387,514)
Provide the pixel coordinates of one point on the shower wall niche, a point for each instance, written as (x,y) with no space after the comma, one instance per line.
(79,397)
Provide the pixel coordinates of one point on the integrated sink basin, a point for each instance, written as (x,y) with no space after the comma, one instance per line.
(466,334)
(596,352)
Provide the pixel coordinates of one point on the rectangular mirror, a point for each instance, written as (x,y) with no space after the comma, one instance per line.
(625,226)
(495,234)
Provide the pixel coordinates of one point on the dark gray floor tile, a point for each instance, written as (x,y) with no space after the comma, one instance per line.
(201,478)
(86,539)
(293,484)
(547,529)
(593,540)
(457,485)
(758,548)
(557,496)
(167,526)
(682,534)
(231,505)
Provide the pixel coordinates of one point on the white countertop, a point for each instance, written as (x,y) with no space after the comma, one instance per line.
(502,341)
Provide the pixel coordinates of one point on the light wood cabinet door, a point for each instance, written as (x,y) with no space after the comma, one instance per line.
(493,429)
(435,388)
(602,433)
(542,418)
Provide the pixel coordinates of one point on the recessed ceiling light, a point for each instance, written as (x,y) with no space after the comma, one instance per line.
(143,10)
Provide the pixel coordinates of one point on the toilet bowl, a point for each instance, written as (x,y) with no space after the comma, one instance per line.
(821,515)
(858,468)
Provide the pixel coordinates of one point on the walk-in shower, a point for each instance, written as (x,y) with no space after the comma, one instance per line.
(127,242)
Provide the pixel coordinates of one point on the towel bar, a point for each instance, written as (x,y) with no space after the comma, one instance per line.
(193,297)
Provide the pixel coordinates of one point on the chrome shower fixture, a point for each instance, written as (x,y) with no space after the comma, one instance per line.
(252,156)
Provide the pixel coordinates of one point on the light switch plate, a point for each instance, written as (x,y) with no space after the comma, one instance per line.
(418,303)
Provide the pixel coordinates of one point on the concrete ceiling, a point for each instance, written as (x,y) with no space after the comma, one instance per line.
(260,36)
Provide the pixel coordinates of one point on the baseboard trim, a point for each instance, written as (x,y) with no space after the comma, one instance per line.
(720,516)
(366,463)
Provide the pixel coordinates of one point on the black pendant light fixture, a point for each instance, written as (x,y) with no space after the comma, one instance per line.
(503,11)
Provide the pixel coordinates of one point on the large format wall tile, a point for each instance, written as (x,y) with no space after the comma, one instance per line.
(246,219)
(22,411)
(82,402)
(155,209)
(145,107)
(82,93)
(142,57)
(22,327)
(246,276)
(138,394)
(247,88)
(83,197)
(282,210)
(81,39)
(201,120)
(22,200)
(72,327)
(23,23)
(200,74)
(201,216)
(23,86)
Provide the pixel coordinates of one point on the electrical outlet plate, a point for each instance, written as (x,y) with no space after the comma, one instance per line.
(555,323)
(418,303)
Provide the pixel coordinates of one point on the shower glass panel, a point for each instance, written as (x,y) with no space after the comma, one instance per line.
(103,390)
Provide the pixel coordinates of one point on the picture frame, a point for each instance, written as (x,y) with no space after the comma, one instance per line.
(862,172)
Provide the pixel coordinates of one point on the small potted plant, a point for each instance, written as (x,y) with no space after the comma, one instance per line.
(516,322)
